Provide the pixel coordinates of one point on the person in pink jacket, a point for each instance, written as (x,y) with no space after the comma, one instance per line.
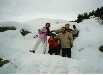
(42,38)
(42,34)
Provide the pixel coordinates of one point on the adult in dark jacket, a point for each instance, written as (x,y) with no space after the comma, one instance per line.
(48,29)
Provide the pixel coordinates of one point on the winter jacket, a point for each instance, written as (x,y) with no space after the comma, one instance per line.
(43,34)
(66,39)
(53,43)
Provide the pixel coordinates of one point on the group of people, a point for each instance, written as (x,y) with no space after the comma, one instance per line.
(60,41)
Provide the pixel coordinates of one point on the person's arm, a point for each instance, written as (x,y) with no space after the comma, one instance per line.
(56,31)
(58,36)
(71,38)
(49,40)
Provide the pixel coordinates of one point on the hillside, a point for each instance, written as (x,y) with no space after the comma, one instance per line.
(85,53)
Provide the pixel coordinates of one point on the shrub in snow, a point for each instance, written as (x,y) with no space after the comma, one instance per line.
(96,13)
(2,62)
(101,48)
(1,59)
(100,21)
(24,32)
(5,28)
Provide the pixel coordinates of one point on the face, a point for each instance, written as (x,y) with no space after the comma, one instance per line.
(67,26)
(53,36)
(47,24)
(62,29)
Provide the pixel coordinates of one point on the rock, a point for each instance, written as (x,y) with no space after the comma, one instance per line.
(5,28)
(3,62)
(101,48)
(24,32)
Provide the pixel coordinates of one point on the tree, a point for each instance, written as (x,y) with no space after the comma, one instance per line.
(96,13)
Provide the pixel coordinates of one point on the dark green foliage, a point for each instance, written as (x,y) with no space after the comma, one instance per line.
(24,32)
(1,59)
(86,16)
(96,13)
(3,62)
(5,28)
(101,48)
(91,13)
(81,17)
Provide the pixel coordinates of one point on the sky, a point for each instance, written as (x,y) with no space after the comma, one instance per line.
(23,10)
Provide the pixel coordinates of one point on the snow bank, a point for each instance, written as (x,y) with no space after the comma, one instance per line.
(87,44)
(85,53)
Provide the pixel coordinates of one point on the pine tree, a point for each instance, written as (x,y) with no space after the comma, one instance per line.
(96,13)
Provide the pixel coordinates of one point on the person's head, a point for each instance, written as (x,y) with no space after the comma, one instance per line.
(67,26)
(62,29)
(47,25)
(53,34)
(74,26)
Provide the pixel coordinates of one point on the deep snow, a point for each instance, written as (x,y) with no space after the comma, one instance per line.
(86,58)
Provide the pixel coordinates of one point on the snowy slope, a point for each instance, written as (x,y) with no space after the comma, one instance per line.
(87,44)
(85,53)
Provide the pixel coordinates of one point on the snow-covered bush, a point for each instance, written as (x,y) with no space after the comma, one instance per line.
(3,62)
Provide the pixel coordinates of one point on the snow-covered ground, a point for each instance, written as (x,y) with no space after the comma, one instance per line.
(86,58)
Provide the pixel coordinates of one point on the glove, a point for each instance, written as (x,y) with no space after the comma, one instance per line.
(35,36)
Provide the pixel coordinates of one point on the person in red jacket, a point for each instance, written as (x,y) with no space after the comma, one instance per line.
(54,45)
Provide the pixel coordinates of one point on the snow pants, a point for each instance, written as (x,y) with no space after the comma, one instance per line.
(66,52)
(55,51)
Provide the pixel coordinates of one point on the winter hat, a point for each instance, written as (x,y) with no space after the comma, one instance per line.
(53,33)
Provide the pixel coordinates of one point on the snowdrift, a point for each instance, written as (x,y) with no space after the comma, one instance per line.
(85,53)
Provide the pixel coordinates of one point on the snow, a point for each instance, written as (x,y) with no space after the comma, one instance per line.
(86,58)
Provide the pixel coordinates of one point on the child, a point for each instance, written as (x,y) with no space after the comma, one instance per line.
(54,45)
(42,39)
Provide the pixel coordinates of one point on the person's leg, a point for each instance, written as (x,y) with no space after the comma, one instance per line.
(69,52)
(44,46)
(54,52)
(63,52)
(50,51)
(57,52)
